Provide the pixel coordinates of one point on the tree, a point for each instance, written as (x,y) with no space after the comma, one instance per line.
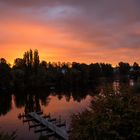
(109,117)
(124,68)
(135,71)
(94,72)
(36,61)
(107,70)
(5,75)
(19,64)
(136,66)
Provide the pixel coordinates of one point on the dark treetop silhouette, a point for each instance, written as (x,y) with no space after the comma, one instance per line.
(30,72)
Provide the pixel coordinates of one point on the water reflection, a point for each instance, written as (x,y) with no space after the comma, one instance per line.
(131,82)
(34,100)
(5,103)
(116,87)
(63,103)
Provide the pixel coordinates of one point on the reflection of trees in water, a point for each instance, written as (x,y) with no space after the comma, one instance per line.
(78,98)
(34,100)
(5,103)
(32,104)
(44,100)
(20,100)
(77,95)
(31,101)
(62,94)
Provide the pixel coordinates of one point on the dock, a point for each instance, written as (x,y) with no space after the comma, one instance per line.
(47,122)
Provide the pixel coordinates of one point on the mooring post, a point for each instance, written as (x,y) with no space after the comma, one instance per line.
(48,124)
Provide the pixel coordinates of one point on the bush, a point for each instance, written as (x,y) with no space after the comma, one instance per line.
(110,117)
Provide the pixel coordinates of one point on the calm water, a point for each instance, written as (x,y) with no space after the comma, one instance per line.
(55,104)
(62,103)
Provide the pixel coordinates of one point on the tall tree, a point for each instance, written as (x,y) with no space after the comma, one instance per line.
(124,68)
(136,66)
(5,76)
(19,64)
(36,61)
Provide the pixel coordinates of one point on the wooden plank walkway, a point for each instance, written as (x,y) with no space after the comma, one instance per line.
(49,124)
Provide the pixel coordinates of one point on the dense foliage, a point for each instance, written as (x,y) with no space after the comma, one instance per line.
(110,117)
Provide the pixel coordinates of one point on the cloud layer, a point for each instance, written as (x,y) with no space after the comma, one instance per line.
(71,30)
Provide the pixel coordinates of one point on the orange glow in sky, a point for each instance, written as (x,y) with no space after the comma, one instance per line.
(65,31)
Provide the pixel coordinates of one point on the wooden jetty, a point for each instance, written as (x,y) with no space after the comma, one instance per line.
(47,122)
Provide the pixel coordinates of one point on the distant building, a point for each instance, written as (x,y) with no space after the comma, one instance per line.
(131,69)
(63,71)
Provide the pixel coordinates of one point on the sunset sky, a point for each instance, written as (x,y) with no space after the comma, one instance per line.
(71,30)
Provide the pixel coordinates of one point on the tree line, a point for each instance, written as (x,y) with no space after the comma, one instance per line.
(30,72)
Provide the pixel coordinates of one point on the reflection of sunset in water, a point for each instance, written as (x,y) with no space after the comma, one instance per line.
(65,109)
(54,106)
(62,104)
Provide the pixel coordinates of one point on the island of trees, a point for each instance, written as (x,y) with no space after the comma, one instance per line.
(29,72)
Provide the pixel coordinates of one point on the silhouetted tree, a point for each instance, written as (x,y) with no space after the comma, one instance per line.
(94,72)
(135,71)
(107,70)
(5,75)
(19,64)
(36,61)
(136,66)
(124,68)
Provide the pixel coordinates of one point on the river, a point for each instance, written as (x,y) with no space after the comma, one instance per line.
(58,104)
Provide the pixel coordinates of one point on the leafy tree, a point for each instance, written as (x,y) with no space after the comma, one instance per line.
(135,71)
(19,64)
(107,70)
(124,68)
(5,76)
(109,117)
(36,61)
(18,78)
(136,66)
(94,72)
